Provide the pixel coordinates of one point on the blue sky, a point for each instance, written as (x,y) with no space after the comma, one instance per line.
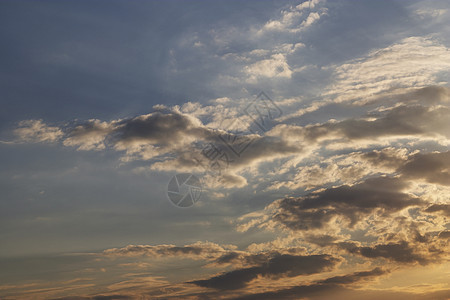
(105,101)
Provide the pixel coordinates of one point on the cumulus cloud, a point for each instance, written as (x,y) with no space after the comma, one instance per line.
(90,135)
(34,131)
(296,18)
(158,133)
(255,149)
(350,204)
(141,137)
(276,66)
(173,139)
(144,136)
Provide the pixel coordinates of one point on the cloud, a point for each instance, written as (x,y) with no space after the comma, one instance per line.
(232,180)
(142,137)
(173,139)
(439,208)
(430,13)
(90,135)
(159,133)
(354,277)
(412,62)
(429,95)
(283,265)
(159,128)
(320,288)
(296,18)
(390,157)
(374,191)
(274,67)
(444,234)
(350,167)
(433,167)
(342,168)
(199,250)
(34,131)
(266,55)
(404,120)
(97,297)
(350,204)
(251,149)
(401,252)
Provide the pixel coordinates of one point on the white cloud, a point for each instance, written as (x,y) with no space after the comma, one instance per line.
(36,131)
(274,67)
(90,135)
(295,19)
(424,13)
(312,17)
(413,62)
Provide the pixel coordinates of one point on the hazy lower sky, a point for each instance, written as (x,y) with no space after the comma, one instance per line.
(224,149)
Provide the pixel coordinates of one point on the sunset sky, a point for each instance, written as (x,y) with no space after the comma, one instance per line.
(313,138)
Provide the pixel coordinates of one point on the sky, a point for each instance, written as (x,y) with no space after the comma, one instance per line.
(224,149)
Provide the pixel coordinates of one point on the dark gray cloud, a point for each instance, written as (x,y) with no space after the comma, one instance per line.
(159,129)
(376,195)
(444,234)
(179,142)
(354,277)
(244,259)
(401,252)
(318,288)
(439,208)
(164,129)
(417,112)
(433,167)
(387,157)
(282,265)
(401,120)
(97,297)
(232,280)
(428,95)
